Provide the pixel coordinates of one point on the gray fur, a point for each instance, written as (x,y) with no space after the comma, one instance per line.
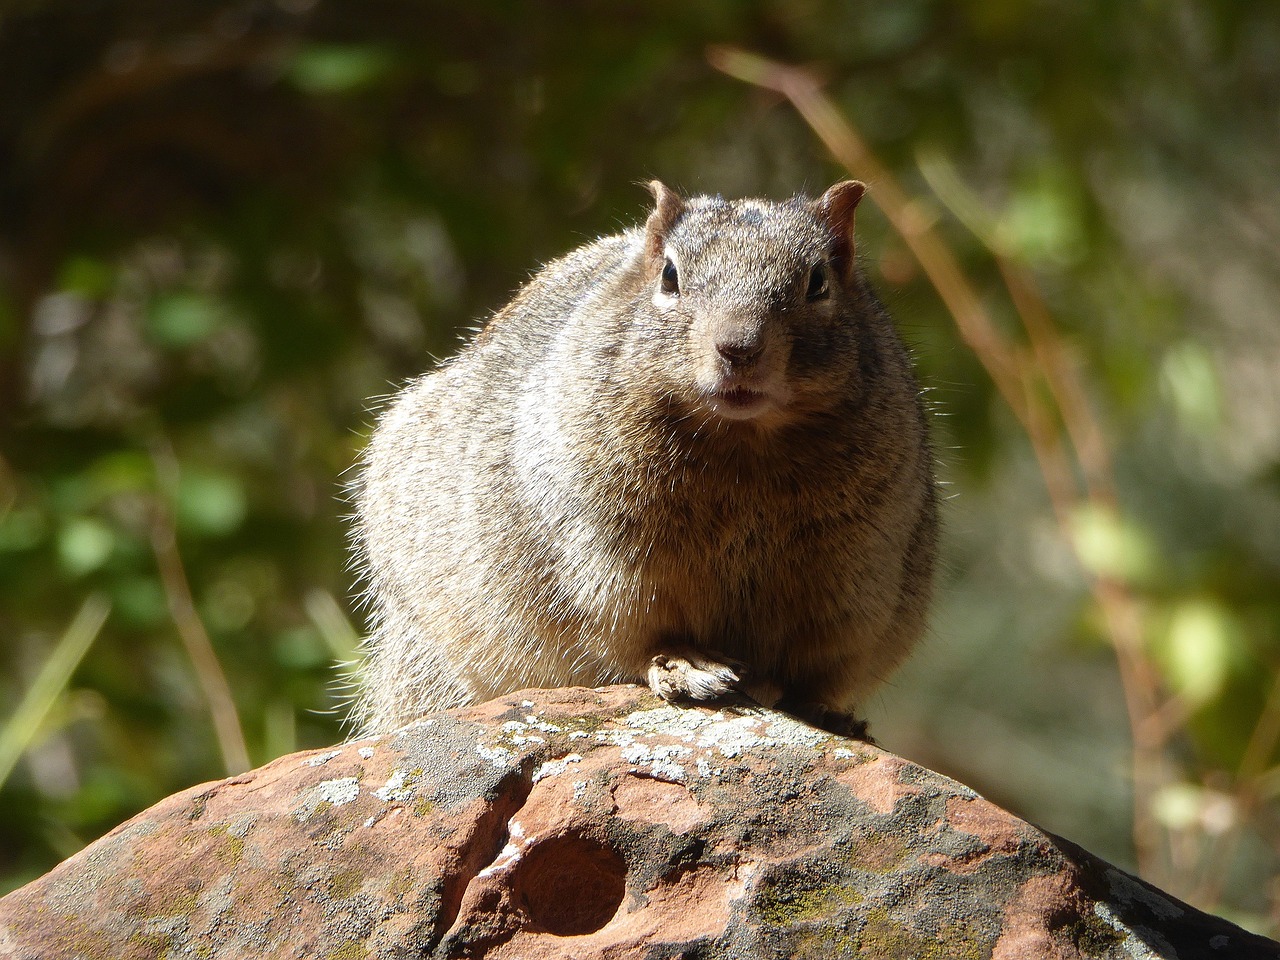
(583,495)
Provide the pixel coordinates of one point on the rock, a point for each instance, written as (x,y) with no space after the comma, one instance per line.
(597,823)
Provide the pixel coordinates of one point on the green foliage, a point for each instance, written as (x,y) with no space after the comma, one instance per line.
(20,730)
(226,229)
(336,68)
(1110,546)
(178,320)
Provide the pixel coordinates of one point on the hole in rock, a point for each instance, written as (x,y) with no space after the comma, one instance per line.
(570,885)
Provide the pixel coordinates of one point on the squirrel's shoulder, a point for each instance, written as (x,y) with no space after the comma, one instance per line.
(557,290)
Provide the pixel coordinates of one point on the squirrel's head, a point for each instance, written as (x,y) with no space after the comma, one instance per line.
(761,302)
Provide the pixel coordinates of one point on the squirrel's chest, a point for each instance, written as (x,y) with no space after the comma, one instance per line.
(699,538)
(714,538)
(736,565)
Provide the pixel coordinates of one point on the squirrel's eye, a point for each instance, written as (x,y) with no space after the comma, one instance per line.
(817,289)
(670,277)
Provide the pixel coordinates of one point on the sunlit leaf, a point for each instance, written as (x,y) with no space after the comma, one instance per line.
(1195,650)
(1184,806)
(1109,545)
(1177,805)
(84,545)
(334,68)
(1189,380)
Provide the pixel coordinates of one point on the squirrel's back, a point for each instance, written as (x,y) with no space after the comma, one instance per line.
(692,453)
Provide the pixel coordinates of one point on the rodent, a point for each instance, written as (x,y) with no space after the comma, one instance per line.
(693,454)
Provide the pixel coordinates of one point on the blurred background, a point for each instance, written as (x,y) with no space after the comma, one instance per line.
(226,228)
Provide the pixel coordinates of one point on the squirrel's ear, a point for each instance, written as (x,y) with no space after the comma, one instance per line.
(666,211)
(836,208)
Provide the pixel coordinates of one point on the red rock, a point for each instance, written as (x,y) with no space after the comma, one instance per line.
(597,824)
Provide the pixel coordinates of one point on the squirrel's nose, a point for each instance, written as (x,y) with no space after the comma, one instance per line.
(740,351)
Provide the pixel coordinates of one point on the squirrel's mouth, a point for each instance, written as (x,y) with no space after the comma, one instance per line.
(740,396)
(738,402)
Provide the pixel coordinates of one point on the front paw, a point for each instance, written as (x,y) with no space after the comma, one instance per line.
(688,675)
(839,722)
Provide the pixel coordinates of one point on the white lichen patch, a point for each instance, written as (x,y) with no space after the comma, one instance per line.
(518,740)
(618,738)
(366,753)
(327,793)
(730,736)
(714,736)
(500,757)
(783,729)
(320,759)
(531,722)
(659,758)
(671,720)
(520,732)
(734,736)
(553,768)
(398,788)
(339,792)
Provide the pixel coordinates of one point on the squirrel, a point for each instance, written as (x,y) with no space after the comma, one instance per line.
(693,454)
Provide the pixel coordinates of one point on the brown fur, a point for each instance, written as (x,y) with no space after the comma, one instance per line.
(722,484)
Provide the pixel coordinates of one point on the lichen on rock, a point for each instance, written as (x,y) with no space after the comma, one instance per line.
(597,823)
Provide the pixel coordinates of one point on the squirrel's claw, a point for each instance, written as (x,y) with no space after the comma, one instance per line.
(691,676)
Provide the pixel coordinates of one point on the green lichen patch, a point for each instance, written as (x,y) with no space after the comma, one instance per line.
(823,943)
(348,950)
(588,723)
(181,904)
(881,936)
(1094,936)
(401,884)
(145,944)
(346,883)
(232,851)
(801,900)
